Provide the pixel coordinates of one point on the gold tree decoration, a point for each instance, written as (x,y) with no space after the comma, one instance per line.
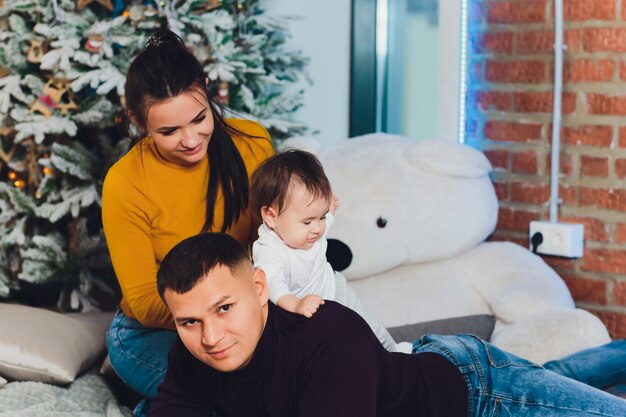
(55,94)
(207,6)
(81,4)
(36,50)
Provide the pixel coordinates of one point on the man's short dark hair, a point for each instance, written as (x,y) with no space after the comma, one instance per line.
(193,258)
(271,181)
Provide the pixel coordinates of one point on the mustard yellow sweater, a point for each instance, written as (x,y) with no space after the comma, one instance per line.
(150,204)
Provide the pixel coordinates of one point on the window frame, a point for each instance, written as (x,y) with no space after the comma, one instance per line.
(365,68)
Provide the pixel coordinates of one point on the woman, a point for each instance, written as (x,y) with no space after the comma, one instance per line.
(189,174)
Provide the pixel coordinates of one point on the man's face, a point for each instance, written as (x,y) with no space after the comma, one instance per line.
(221,319)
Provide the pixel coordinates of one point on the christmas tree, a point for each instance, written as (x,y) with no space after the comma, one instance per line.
(62,69)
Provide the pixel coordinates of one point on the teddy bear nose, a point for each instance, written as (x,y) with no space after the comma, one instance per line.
(381,222)
(338,254)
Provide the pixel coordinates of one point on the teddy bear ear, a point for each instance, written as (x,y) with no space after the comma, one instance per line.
(446,158)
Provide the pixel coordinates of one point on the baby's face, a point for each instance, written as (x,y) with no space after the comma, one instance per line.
(303,219)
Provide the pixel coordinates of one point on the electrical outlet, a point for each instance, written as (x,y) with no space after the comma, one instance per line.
(557,239)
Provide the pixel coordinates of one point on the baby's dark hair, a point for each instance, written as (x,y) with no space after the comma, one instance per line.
(271,182)
(193,258)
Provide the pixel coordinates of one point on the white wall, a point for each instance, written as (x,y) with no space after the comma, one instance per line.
(322,32)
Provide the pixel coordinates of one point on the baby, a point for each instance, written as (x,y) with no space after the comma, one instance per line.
(292,194)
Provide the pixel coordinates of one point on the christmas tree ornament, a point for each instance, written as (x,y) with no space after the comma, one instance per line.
(6,131)
(135,13)
(43,105)
(56,94)
(207,6)
(32,166)
(7,156)
(222,93)
(139,14)
(94,43)
(36,50)
(81,4)
(241,6)
(57,88)
(67,102)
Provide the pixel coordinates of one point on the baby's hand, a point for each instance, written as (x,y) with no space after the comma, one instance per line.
(307,306)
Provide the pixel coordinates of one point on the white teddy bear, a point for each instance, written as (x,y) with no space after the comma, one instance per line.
(414,216)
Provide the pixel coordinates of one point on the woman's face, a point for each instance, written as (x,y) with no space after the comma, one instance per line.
(181,127)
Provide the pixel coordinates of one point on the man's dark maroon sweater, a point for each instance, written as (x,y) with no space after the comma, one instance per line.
(329,365)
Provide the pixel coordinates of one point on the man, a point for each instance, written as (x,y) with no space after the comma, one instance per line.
(240,355)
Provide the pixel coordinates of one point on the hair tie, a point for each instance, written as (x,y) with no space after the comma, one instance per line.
(154,41)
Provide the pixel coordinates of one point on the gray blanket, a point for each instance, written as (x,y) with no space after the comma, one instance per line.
(88,396)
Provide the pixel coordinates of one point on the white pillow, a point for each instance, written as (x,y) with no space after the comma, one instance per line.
(44,346)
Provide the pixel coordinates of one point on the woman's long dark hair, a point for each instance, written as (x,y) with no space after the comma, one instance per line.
(165,69)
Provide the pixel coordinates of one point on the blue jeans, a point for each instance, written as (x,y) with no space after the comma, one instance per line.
(139,355)
(600,367)
(502,384)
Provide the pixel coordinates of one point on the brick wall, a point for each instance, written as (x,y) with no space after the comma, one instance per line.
(510,72)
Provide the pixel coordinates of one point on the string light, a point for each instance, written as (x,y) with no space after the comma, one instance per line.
(47,171)
(19,184)
(463,71)
(12,175)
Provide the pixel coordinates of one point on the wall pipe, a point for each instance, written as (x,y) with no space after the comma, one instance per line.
(556,110)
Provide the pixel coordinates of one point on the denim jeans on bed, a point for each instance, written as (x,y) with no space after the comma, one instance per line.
(139,355)
(600,367)
(502,384)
